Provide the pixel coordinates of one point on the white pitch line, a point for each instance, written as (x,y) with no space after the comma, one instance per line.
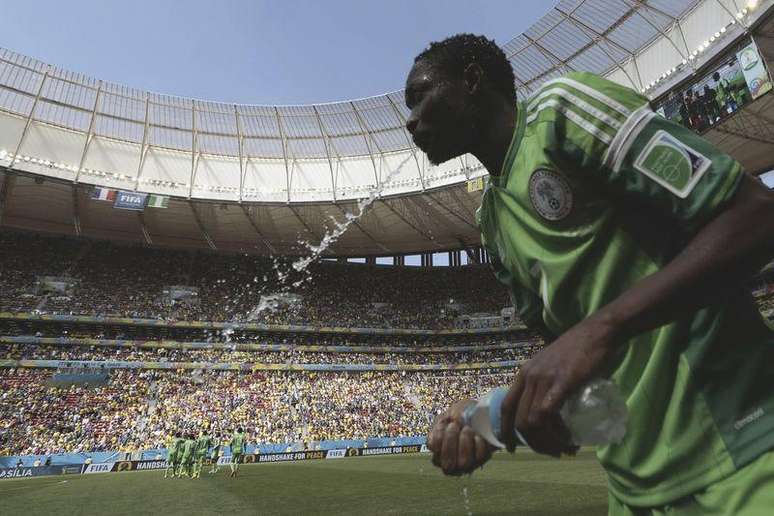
(34,486)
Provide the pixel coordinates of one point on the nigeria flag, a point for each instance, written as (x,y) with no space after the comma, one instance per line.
(158,201)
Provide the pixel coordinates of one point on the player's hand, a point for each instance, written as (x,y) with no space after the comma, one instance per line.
(456,448)
(544,382)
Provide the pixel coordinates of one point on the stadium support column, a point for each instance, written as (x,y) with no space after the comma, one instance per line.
(452,212)
(29,120)
(661,31)
(395,210)
(194,153)
(76,211)
(326,144)
(284,151)
(261,237)
(358,225)
(203,230)
(400,260)
(89,137)
(144,145)
(242,165)
(550,56)
(304,223)
(5,188)
(583,27)
(144,229)
(366,136)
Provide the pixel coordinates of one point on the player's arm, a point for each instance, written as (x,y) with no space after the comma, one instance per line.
(727,216)
(456,448)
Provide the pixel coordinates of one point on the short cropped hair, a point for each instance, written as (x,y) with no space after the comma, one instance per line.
(455,53)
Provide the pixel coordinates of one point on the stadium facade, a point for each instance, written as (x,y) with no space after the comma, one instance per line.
(259,178)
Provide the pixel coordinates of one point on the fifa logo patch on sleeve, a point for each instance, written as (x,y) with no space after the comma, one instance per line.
(672,164)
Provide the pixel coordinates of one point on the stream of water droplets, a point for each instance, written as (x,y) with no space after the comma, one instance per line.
(300,265)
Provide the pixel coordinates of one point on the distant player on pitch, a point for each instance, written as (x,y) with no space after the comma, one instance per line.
(187,456)
(215,454)
(173,454)
(237,449)
(202,445)
(625,239)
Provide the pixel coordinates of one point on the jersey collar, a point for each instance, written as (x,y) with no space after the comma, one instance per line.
(513,148)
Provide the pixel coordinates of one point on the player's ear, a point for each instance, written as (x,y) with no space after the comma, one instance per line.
(472,76)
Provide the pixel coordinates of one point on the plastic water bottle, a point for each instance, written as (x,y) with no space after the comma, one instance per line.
(595,415)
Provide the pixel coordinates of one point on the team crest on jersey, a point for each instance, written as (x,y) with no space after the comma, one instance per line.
(550,194)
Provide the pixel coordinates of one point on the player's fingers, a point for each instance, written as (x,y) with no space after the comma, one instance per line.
(523,407)
(436,459)
(562,433)
(449,452)
(508,412)
(545,418)
(466,450)
(435,440)
(483,450)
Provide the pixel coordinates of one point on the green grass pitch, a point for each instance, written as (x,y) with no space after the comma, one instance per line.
(521,484)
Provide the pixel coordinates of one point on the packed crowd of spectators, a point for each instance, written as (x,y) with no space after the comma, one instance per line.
(137,410)
(118,280)
(56,352)
(52,352)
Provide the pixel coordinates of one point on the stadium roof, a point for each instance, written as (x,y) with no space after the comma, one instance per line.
(294,167)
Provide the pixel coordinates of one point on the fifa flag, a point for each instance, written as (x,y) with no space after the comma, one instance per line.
(158,201)
(130,201)
(103,194)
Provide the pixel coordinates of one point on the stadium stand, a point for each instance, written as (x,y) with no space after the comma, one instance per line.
(124,281)
(138,410)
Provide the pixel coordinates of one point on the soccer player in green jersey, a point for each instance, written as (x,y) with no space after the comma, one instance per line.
(237,448)
(201,446)
(186,457)
(215,454)
(625,239)
(173,453)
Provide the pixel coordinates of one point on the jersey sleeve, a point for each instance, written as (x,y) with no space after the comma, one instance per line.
(609,133)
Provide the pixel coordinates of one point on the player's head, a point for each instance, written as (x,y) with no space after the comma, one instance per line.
(239,430)
(450,90)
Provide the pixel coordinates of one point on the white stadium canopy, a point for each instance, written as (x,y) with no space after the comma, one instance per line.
(259,177)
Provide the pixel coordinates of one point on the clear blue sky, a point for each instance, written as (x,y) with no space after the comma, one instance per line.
(264,52)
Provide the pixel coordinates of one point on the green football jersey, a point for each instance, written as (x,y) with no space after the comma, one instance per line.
(177,447)
(188,447)
(202,445)
(596,193)
(237,443)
